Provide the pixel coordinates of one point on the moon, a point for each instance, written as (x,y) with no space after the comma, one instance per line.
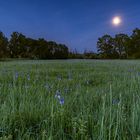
(116,21)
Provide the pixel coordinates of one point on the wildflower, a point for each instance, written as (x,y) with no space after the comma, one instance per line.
(58,94)
(61,101)
(28,77)
(87,82)
(115,101)
(130,70)
(59,77)
(16,75)
(47,86)
(138,73)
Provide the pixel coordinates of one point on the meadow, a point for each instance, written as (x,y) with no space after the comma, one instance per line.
(70,100)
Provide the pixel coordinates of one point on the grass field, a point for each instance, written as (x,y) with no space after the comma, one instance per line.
(70,100)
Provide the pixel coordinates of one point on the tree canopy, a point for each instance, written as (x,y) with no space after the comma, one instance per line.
(120,46)
(19,46)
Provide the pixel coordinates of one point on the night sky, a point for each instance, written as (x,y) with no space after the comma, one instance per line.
(76,23)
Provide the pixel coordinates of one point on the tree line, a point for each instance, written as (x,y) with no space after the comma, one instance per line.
(20,46)
(121,46)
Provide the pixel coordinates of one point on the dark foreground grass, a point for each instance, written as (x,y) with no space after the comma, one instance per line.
(70,100)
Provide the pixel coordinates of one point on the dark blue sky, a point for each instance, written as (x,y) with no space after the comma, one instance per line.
(77,23)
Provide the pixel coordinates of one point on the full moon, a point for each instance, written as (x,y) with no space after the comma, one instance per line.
(116,21)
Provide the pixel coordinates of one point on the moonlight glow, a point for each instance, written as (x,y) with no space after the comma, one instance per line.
(116,21)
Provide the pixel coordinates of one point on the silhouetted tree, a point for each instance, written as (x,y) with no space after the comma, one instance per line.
(22,47)
(134,45)
(3,46)
(121,45)
(17,45)
(106,47)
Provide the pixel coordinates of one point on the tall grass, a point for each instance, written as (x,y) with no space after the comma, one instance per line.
(70,100)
